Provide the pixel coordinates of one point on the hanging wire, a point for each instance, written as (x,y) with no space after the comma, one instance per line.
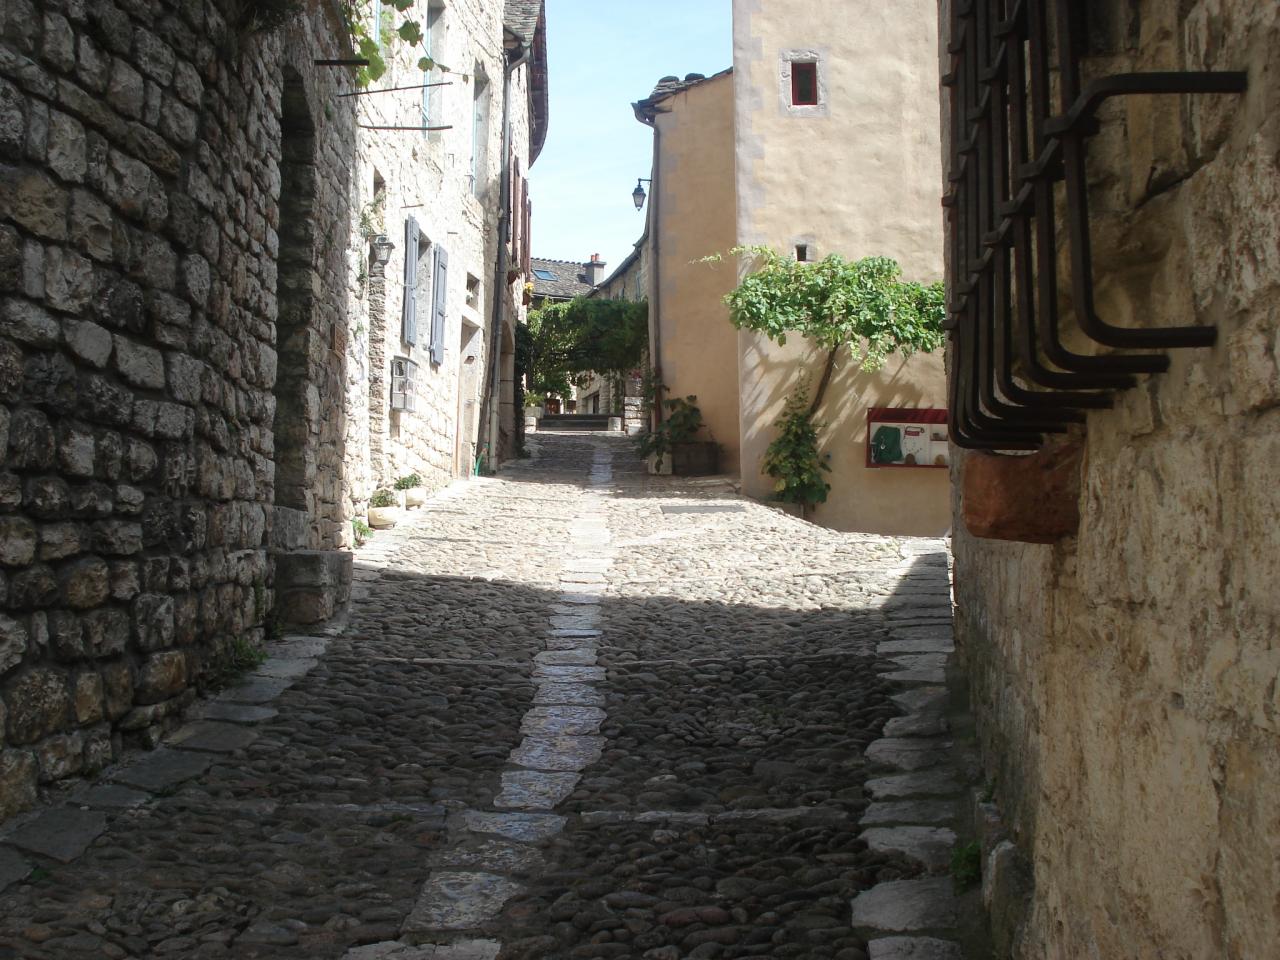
(387,126)
(414,86)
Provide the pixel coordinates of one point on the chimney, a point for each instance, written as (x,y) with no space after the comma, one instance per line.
(595,270)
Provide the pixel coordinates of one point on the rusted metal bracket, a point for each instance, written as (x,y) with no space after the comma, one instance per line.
(1013,377)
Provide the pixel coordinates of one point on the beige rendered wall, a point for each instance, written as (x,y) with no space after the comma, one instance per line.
(694,189)
(1125,679)
(858,175)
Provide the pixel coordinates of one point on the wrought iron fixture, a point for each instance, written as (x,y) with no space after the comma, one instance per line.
(1013,378)
(638,194)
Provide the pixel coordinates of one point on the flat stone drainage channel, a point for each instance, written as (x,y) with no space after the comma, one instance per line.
(475,876)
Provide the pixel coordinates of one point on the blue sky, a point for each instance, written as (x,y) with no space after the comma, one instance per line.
(602,56)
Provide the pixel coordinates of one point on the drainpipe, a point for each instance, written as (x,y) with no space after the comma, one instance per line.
(494,404)
(655,265)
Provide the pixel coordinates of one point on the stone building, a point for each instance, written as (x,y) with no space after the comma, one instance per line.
(1115,583)
(815,142)
(620,396)
(180,303)
(440,186)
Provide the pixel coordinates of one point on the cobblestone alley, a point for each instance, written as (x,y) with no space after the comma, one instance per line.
(576,711)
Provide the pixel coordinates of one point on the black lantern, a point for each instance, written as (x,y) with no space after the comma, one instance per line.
(638,195)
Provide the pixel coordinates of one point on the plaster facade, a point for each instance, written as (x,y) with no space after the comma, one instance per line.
(872,142)
(1125,679)
(693,345)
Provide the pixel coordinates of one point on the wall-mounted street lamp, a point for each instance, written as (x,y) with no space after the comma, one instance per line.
(382,248)
(638,194)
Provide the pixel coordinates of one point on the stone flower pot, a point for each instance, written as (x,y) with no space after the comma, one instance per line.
(415,496)
(383,518)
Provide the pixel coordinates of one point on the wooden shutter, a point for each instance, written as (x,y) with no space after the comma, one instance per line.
(439,286)
(409,324)
(527,233)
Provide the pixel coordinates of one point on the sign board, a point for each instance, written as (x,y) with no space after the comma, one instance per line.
(906,437)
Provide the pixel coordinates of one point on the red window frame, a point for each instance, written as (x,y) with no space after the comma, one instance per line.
(804,83)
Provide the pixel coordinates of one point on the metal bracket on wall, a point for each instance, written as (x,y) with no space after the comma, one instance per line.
(1013,378)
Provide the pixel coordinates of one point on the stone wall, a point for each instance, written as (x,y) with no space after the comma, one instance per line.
(1125,679)
(141,265)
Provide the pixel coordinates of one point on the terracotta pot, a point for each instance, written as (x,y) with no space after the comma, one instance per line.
(695,458)
(415,496)
(383,518)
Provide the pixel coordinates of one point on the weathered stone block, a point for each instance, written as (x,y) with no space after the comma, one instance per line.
(39,704)
(59,43)
(141,365)
(153,621)
(117,689)
(106,631)
(34,201)
(75,450)
(18,775)
(125,584)
(161,676)
(89,342)
(32,587)
(126,91)
(68,280)
(31,440)
(13,643)
(92,226)
(66,147)
(85,582)
(117,537)
(46,497)
(60,756)
(17,541)
(60,540)
(89,698)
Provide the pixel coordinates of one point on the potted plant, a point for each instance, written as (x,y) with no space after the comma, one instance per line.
(414,494)
(384,509)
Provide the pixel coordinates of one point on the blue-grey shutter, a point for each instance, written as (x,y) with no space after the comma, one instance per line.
(439,286)
(409,326)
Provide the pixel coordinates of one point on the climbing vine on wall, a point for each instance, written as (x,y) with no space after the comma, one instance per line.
(575,338)
(863,306)
(397,23)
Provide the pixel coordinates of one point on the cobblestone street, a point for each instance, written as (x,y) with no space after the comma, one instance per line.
(575,711)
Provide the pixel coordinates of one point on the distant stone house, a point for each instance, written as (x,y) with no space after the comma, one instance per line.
(620,396)
(444,195)
(559,281)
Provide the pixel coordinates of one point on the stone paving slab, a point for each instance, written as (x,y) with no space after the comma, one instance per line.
(558,753)
(491,855)
(566,674)
(913,948)
(212,737)
(60,833)
(917,725)
(459,901)
(236,712)
(929,845)
(284,667)
(908,754)
(936,782)
(907,906)
(584,657)
(922,699)
(163,769)
(567,693)
(259,690)
(522,827)
(12,868)
(111,796)
(395,950)
(561,722)
(535,789)
(892,812)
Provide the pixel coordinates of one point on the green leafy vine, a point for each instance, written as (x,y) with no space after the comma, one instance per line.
(792,459)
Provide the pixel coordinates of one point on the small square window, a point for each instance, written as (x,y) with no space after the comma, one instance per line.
(802,252)
(804,84)
(545,275)
(473,292)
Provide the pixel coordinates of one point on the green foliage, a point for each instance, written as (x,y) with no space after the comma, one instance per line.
(383,498)
(409,482)
(360,530)
(570,340)
(793,459)
(237,658)
(682,423)
(966,865)
(833,301)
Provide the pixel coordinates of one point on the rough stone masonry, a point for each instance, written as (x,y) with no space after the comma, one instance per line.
(142,155)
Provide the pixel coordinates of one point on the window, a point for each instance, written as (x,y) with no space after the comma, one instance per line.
(545,275)
(432,42)
(804,83)
(377,24)
(473,292)
(404,374)
(802,253)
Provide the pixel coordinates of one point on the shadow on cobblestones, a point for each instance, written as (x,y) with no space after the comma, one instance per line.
(721,820)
